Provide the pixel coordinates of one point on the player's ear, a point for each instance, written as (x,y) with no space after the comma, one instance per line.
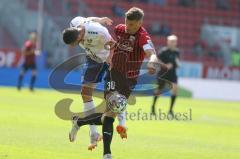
(79,29)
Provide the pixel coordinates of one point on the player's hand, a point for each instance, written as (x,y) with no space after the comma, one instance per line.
(151,68)
(110,44)
(151,71)
(37,52)
(169,66)
(106,21)
(177,62)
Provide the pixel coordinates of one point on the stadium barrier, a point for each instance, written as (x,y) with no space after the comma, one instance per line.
(221,72)
(194,76)
(212,88)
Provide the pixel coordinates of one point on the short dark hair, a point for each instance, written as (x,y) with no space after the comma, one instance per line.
(134,13)
(70,35)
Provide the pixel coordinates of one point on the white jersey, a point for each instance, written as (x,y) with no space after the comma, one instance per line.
(95,38)
(77,21)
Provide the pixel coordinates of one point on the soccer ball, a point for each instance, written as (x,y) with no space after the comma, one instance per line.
(117,102)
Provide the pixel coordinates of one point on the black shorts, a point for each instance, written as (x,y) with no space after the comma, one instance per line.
(165,82)
(170,75)
(115,81)
(171,78)
(29,66)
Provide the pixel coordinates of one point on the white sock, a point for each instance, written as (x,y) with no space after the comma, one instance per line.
(122,118)
(87,107)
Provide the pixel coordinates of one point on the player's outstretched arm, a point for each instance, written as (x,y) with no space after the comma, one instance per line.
(110,45)
(154,63)
(153,60)
(101,20)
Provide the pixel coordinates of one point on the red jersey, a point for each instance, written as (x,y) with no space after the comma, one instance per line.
(129,52)
(29,46)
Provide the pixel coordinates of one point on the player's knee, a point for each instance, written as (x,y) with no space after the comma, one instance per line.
(109,113)
(157,92)
(174,90)
(86,93)
(86,97)
(108,119)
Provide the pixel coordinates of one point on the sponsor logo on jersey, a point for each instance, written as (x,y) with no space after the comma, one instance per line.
(92,32)
(89,40)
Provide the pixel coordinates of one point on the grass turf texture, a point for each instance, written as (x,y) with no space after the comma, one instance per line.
(29,129)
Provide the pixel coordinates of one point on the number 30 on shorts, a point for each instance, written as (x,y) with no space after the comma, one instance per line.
(110,85)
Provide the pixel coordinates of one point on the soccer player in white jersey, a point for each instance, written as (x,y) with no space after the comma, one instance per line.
(96,40)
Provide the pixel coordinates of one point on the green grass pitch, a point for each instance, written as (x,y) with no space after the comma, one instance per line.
(29,129)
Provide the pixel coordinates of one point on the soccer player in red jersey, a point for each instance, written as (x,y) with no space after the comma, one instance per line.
(29,55)
(132,44)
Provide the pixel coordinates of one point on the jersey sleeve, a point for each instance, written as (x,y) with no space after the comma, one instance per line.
(101,30)
(146,42)
(105,34)
(77,21)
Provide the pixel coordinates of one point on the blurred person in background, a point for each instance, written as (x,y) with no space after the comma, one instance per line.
(29,55)
(169,55)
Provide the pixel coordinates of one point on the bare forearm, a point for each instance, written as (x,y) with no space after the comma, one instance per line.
(101,20)
(151,54)
(95,19)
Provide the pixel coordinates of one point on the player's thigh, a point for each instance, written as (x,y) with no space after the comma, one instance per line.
(24,69)
(33,68)
(115,81)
